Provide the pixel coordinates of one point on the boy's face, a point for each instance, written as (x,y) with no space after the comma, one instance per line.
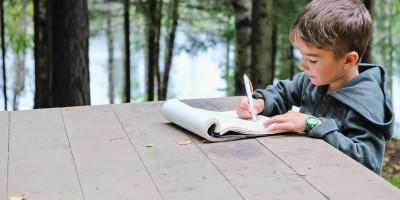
(321,65)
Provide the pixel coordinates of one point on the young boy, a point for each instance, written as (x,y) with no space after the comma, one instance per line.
(341,101)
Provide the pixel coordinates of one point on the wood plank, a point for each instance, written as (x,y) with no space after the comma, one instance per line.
(333,173)
(326,166)
(254,171)
(40,161)
(179,171)
(107,163)
(3,153)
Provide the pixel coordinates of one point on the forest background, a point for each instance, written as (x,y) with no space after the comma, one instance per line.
(69,53)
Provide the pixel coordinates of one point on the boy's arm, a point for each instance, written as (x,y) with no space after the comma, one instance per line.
(280,98)
(361,142)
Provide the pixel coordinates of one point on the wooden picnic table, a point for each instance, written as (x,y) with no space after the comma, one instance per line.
(130,151)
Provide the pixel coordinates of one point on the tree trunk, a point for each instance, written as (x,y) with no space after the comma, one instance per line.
(19,83)
(390,46)
(3,54)
(242,9)
(228,77)
(127,56)
(274,45)
(151,46)
(110,42)
(157,46)
(61,53)
(43,53)
(262,51)
(170,42)
(367,57)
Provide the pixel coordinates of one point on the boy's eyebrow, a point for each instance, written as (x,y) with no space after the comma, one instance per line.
(312,55)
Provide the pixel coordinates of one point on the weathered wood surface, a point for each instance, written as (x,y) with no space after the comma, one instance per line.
(3,154)
(130,151)
(107,164)
(40,161)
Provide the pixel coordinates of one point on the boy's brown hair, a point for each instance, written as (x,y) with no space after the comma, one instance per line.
(341,26)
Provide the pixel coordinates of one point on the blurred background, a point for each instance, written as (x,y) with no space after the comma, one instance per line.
(90,52)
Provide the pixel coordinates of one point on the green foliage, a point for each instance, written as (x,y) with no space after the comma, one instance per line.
(205,23)
(385,36)
(395,180)
(19,41)
(285,12)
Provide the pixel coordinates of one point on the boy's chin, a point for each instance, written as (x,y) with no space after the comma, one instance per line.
(317,83)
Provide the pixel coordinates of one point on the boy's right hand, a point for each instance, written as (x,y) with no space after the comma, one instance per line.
(243,109)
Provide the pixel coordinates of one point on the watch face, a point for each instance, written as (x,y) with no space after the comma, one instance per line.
(312,120)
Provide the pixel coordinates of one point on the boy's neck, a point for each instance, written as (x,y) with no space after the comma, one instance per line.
(348,76)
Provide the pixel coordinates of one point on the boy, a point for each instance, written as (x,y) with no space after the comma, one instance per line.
(342,102)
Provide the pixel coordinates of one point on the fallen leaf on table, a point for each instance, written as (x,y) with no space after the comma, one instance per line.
(18,198)
(185,142)
(150,145)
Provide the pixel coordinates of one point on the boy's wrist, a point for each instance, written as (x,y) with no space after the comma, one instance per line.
(311,122)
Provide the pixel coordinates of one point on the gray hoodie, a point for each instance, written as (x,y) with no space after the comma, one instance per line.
(356,119)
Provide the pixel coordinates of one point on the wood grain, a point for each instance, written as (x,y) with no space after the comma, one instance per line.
(178,171)
(40,161)
(333,173)
(107,164)
(249,166)
(4,120)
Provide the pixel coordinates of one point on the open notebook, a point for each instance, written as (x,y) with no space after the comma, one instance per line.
(214,126)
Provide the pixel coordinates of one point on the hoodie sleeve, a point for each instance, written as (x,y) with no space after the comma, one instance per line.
(281,97)
(362,143)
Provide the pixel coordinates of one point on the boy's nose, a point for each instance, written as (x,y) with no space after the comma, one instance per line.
(302,66)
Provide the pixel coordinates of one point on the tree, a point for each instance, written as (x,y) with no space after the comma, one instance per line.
(110,44)
(19,14)
(126,96)
(61,53)
(254,49)
(169,51)
(262,71)
(243,10)
(3,54)
(367,57)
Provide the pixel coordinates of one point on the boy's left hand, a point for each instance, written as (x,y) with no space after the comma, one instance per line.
(291,121)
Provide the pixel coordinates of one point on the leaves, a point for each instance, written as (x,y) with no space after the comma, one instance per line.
(18,198)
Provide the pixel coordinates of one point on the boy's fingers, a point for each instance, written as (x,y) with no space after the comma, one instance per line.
(281,126)
(275,119)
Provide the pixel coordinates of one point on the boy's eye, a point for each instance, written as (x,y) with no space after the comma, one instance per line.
(313,61)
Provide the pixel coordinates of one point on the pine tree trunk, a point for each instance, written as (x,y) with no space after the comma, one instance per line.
(390,46)
(151,46)
(367,57)
(127,56)
(157,46)
(262,50)
(61,53)
(110,43)
(43,53)
(19,83)
(3,54)
(242,9)
(170,42)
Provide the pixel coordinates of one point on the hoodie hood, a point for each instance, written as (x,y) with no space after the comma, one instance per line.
(371,83)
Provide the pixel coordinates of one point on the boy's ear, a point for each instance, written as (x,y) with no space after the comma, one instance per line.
(351,59)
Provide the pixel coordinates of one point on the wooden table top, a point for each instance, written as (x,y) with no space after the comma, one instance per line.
(130,151)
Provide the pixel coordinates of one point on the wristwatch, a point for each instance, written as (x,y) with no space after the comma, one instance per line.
(311,121)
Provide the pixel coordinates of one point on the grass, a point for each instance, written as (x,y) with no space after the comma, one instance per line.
(394,180)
